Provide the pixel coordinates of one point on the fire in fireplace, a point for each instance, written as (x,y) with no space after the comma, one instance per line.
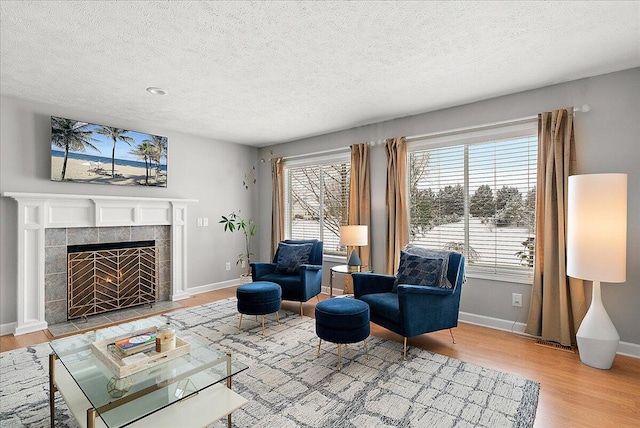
(110,276)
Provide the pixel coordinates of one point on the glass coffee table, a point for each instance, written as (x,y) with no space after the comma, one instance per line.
(189,390)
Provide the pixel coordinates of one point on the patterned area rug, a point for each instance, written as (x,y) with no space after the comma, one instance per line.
(289,385)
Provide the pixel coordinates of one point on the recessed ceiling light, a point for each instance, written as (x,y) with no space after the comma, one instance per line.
(156,91)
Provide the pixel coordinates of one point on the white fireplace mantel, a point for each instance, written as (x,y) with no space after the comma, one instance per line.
(40,211)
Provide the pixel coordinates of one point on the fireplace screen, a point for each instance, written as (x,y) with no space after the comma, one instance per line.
(107,277)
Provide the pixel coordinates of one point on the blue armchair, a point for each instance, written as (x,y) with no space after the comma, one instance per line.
(408,309)
(297,271)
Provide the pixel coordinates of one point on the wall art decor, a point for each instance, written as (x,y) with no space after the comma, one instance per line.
(84,152)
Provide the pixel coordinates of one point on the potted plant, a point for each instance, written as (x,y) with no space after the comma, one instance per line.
(232,223)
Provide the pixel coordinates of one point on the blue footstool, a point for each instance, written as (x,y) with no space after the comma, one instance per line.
(342,320)
(259,298)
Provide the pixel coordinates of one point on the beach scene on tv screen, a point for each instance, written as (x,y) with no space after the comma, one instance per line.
(89,153)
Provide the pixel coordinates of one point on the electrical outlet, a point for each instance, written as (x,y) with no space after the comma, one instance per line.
(516,300)
(205,221)
(199,221)
(227,265)
(243,264)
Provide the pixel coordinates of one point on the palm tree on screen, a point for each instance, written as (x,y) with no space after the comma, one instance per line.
(116,134)
(71,135)
(145,151)
(160,145)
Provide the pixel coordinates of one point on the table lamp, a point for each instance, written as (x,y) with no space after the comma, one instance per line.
(354,236)
(597,251)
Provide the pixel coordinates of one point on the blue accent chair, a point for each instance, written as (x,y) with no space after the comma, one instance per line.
(412,310)
(300,286)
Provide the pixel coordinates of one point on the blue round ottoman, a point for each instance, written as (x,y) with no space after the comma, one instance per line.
(342,320)
(259,298)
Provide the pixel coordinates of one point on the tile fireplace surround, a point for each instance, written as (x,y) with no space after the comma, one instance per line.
(38,212)
(124,244)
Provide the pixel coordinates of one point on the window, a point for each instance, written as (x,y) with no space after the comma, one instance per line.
(474,192)
(317,200)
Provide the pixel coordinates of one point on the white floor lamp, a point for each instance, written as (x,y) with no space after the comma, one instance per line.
(597,251)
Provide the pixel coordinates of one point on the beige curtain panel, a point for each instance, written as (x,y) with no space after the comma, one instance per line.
(557,301)
(397,203)
(277,203)
(360,195)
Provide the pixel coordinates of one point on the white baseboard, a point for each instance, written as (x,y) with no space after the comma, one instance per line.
(214,286)
(629,349)
(495,323)
(8,328)
(326,290)
(234,282)
(624,348)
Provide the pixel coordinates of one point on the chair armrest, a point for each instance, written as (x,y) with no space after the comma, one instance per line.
(311,280)
(258,270)
(371,283)
(424,309)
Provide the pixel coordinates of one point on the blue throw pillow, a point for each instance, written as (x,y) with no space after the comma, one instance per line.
(291,256)
(433,254)
(418,270)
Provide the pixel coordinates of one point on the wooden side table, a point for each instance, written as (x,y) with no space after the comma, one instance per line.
(346,270)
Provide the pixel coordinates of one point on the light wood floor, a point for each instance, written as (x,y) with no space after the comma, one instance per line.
(571,394)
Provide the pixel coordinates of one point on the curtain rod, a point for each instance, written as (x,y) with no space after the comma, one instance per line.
(583,108)
(323,152)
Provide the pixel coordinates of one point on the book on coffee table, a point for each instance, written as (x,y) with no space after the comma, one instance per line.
(142,359)
(139,343)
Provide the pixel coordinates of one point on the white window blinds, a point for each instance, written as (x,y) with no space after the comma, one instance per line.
(317,201)
(475,193)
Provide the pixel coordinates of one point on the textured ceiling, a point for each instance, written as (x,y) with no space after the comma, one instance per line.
(260,73)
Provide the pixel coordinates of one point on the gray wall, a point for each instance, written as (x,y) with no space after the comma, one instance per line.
(198,168)
(606,140)
(213,171)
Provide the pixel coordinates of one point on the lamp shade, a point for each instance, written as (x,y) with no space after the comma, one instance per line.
(597,227)
(353,235)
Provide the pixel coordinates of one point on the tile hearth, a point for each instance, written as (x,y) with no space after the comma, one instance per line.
(97,321)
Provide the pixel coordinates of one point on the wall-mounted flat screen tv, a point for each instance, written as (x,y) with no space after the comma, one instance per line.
(84,152)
